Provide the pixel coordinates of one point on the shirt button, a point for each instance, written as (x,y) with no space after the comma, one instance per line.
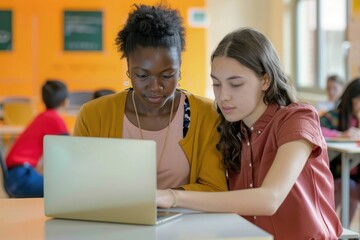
(252,128)
(259,132)
(251,185)
(249,164)
(254,217)
(248,143)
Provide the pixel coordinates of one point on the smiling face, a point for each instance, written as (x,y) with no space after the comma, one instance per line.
(238,91)
(154,74)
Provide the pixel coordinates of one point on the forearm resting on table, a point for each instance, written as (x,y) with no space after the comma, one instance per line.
(244,202)
(264,200)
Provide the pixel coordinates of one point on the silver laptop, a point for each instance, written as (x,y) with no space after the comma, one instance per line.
(101,179)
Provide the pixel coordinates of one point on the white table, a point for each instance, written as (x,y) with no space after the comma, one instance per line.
(350,157)
(24,219)
(10,130)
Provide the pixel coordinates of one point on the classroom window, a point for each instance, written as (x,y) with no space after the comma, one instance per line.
(320,41)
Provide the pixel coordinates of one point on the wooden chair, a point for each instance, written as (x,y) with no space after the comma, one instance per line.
(77,99)
(17,111)
(16,99)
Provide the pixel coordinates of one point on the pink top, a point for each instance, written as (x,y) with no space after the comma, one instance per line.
(174,168)
(330,132)
(327,132)
(308,211)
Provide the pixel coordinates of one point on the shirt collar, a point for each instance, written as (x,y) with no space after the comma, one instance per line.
(263,121)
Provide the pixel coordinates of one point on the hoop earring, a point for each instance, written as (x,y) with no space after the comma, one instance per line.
(126,82)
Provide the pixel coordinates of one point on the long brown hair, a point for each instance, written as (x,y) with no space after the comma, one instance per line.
(254,51)
(345,107)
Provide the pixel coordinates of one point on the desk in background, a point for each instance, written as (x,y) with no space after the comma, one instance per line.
(24,219)
(10,130)
(350,157)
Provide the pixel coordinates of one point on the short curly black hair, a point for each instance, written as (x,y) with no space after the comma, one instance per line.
(151,26)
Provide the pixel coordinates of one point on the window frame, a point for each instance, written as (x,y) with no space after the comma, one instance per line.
(319,73)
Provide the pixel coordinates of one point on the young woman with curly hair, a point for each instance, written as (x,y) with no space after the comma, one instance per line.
(182,124)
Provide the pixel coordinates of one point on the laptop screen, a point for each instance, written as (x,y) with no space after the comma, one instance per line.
(100,179)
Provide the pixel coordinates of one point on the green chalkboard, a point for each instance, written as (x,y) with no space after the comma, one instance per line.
(83,31)
(5,30)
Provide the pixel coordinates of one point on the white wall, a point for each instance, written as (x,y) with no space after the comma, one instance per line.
(267,16)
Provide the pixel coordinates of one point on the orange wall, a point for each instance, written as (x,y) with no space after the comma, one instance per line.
(38,48)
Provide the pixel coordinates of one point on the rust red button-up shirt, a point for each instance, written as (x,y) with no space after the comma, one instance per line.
(308,211)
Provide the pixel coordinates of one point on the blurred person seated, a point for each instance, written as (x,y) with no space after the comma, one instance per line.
(24,160)
(344,122)
(102,92)
(334,88)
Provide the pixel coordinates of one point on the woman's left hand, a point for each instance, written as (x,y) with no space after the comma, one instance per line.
(164,199)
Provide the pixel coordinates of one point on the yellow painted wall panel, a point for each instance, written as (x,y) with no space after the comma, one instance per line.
(38,48)
(16,68)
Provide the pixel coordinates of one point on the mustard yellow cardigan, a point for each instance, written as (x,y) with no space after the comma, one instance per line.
(103,117)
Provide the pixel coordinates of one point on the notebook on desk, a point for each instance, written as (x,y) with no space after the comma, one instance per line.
(101,179)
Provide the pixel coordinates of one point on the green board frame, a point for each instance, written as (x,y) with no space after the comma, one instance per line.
(83,31)
(6,30)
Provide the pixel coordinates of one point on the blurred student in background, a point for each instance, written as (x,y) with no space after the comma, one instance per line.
(182,125)
(24,160)
(102,92)
(344,122)
(334,89)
